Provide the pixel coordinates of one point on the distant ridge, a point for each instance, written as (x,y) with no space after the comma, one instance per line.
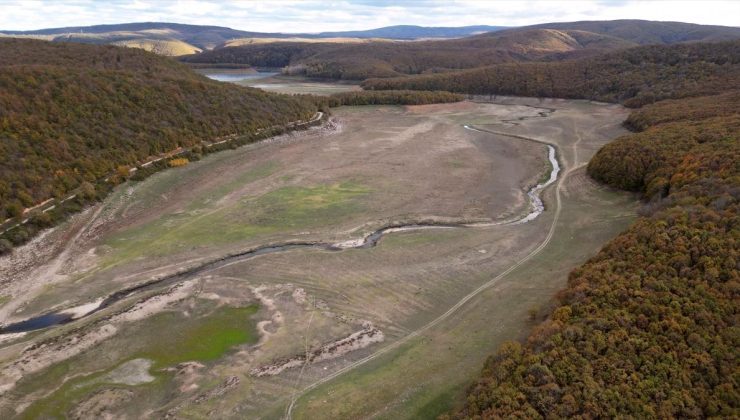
(178,39)
(649,32)
(198,36)
(415,32)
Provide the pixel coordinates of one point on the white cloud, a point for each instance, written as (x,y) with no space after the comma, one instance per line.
(316,16)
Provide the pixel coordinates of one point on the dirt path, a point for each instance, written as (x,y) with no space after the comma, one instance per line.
(461,302)
(49,273)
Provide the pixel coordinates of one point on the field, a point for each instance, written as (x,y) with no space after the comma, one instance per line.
(300,85)
(394,331)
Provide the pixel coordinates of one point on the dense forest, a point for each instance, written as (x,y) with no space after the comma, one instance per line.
(635,76)
(72,114)
(392,97)
(677,109)
(26,52)
(648,327)
(388,59)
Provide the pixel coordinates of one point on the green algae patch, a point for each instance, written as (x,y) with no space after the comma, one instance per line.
(303,206)
(202,340)
(169,338)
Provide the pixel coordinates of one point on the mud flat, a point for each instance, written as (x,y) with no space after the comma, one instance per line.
(296,84)
(334,329)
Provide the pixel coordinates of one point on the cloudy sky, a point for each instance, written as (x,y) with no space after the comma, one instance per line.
(317,16)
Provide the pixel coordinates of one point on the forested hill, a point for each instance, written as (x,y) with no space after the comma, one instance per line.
(71,114)
(647,328)
(633,76)
(26,53)
(546,42)
(388,59)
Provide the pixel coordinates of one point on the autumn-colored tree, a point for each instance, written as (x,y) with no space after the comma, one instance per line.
(647,327)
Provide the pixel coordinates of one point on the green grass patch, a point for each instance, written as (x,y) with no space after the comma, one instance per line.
(203,339)
(301,206)
(457,163)
(441,403)
(545,175)
(279,210)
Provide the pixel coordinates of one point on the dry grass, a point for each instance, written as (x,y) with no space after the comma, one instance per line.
(168,47)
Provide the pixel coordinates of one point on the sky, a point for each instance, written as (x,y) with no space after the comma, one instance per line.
(317,16)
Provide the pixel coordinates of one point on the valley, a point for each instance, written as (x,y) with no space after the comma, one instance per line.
(365,317)
(311,210)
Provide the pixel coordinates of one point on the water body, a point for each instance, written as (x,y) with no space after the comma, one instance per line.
(37,323)
(234,76)
(534,194)
(57,318)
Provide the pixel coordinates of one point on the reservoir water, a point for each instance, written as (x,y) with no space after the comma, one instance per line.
(233,76)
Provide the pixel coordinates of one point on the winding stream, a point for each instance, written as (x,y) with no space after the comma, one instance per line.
(536,206)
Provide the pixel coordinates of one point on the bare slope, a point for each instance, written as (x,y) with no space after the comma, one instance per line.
(649,32)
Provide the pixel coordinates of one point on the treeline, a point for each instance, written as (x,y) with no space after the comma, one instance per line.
(72,115)
(635,77)
(648,327)
(28,52)
(352,61)
(392,97)
(680,109)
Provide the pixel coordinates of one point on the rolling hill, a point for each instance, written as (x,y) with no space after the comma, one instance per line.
(174,39)
(388,59)
(547,42)
(634,76)
(646,32)
(167,47)
(181,39)
(414,32)
(200,36)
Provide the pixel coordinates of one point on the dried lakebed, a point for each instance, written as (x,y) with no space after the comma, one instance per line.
(382,257)
(68,315)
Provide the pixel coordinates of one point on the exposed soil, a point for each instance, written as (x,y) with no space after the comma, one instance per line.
(354,341)
(133,372)
(101,404)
